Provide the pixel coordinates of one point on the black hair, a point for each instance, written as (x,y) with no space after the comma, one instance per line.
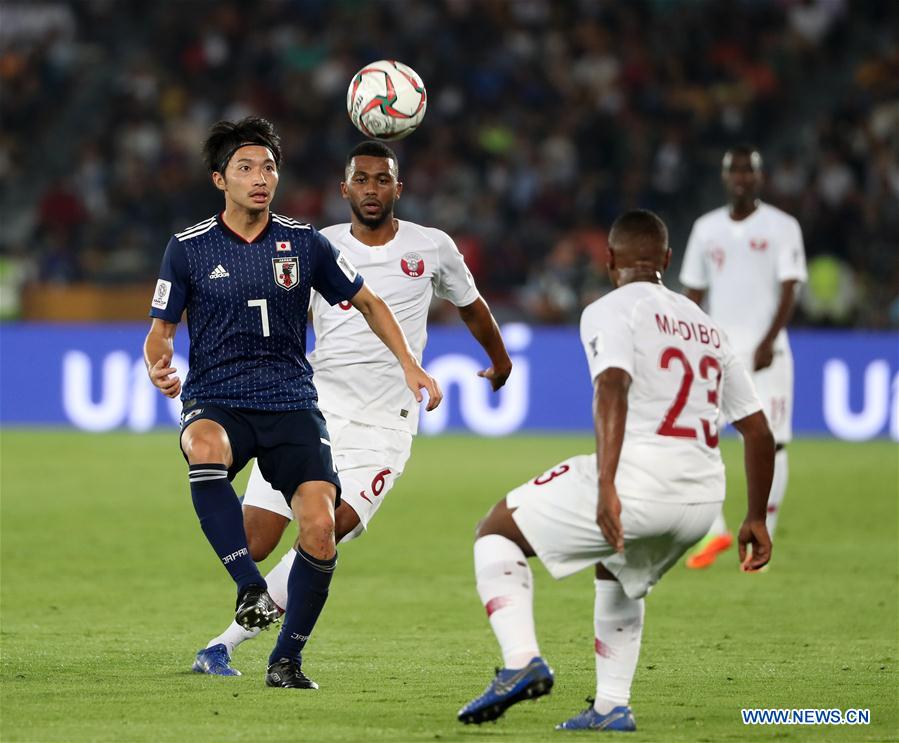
(370,148)
(641,224)
(226,137)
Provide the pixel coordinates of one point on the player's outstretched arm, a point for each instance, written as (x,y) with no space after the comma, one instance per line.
(609,416)
(159,348)
(483,327)
(758,455)
(383,323)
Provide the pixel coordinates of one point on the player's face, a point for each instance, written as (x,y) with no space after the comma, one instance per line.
(372,188)
(742,176)
(250,178)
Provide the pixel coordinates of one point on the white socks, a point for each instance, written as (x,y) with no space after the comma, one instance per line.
(618,624)
(277,589)
(233,636)
(505,585)
(719,526)
(778,489)
(276,578)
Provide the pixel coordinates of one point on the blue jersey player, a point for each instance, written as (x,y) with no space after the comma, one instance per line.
(244,278)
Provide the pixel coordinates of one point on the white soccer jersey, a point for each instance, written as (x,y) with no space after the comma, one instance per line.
(356,375)
(742,265)
(683,373)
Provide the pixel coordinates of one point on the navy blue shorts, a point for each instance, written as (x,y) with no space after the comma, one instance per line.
(291,446)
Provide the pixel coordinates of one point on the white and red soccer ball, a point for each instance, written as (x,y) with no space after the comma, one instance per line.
(386,100)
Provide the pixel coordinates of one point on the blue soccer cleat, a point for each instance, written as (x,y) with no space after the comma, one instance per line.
(511,685)
(620,719)
(215,661)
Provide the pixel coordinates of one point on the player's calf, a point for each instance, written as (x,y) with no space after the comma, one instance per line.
(264,530)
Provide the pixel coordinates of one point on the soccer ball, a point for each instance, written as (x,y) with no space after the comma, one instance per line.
(386,100)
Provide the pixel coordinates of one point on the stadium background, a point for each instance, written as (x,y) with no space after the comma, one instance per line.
(545,120)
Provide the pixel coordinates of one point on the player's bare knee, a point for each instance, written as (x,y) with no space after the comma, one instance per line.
(205,450)
(499,521)
(316,536)
(318,526)
(495,520)
(205,442)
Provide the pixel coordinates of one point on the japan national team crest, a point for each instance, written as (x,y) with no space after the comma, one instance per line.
(286,272)
(413,265)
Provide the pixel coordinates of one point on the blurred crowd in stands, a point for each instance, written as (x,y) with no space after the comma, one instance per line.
(546,118)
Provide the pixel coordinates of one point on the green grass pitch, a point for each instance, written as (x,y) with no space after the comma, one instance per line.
(108,589)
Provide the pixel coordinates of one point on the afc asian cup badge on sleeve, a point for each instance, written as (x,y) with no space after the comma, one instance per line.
(286,272)
(413,265)
(161,294)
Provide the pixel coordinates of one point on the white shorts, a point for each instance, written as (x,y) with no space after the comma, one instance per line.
(775,389)
(556,512)
(369,460)
(774,386)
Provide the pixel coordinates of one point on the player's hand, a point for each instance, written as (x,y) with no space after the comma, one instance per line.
(763,356)
(754,534)
(162,377)
(608,516)
(418,379)
(497,376)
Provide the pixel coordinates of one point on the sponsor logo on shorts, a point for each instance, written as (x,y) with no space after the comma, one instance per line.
(190,415)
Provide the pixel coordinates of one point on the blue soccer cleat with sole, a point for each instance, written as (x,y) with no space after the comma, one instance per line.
(215,661)
(511,685)
(620,719)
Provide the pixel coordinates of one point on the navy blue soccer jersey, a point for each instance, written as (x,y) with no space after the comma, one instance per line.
(247,304)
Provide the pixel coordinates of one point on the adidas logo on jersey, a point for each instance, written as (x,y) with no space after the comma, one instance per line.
(219,272)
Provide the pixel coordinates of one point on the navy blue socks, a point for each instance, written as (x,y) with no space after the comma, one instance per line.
(307,591)
(221,519)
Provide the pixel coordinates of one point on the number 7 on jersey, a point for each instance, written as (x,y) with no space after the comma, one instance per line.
(262,304)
